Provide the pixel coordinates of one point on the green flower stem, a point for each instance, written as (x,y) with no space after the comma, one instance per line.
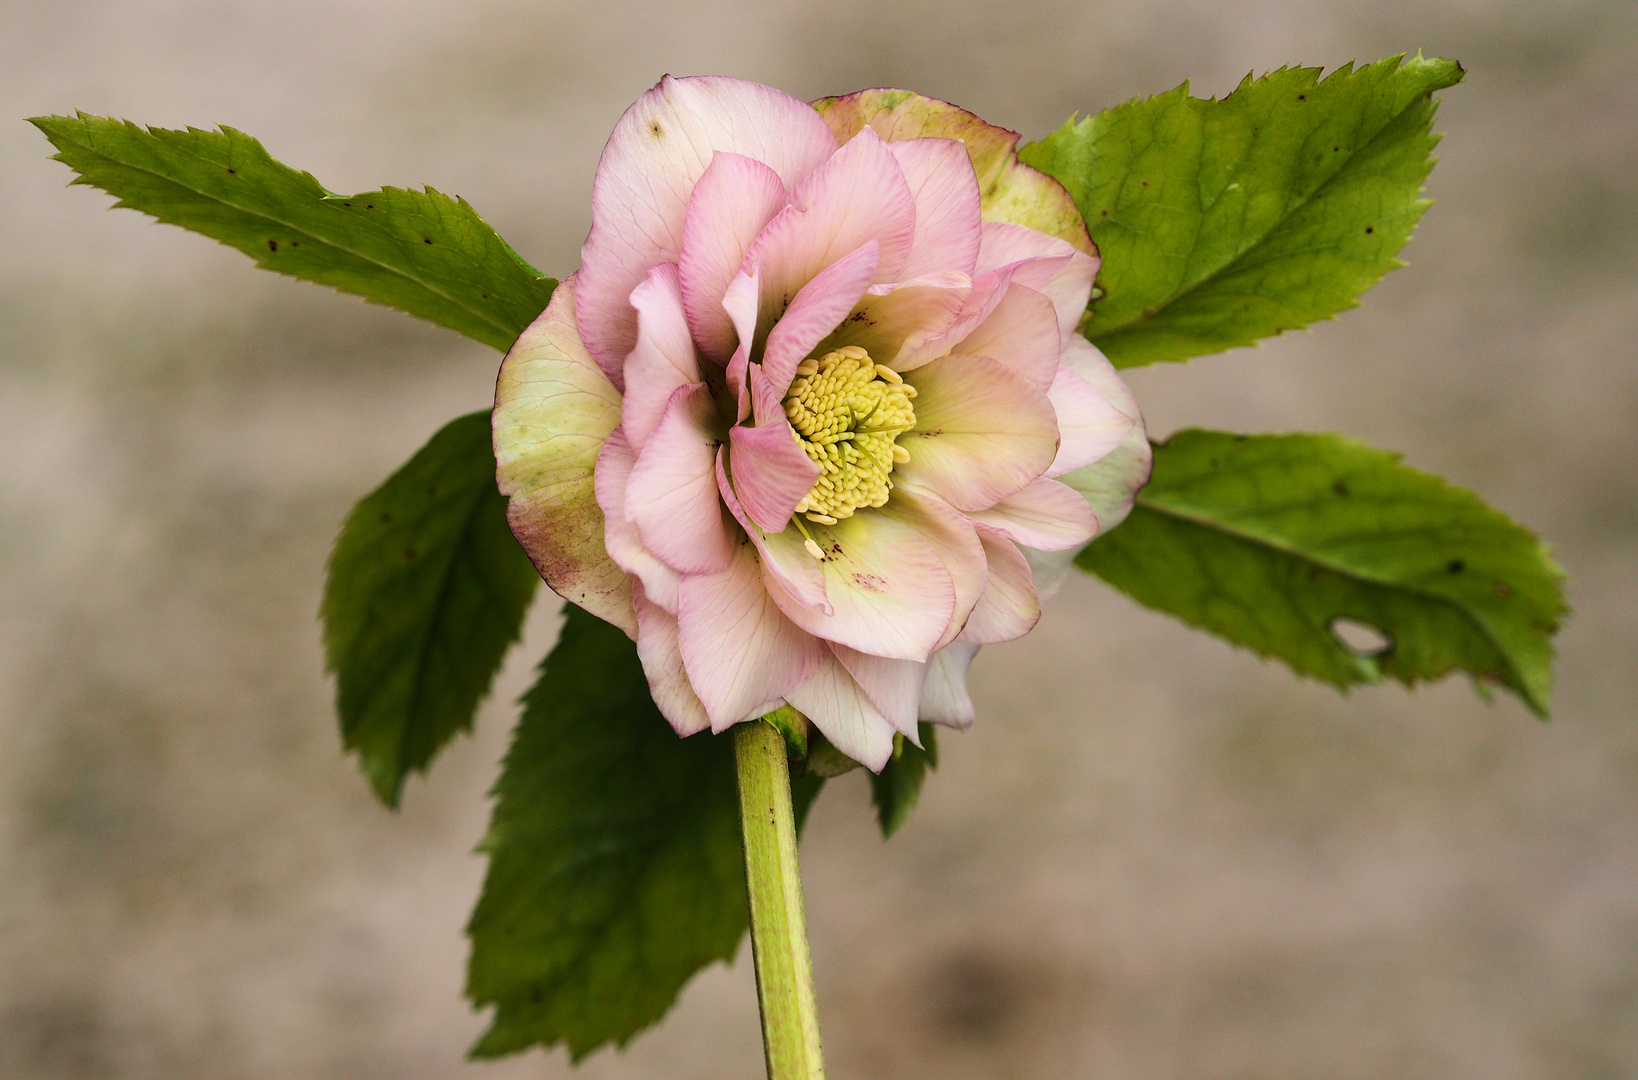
(779,930)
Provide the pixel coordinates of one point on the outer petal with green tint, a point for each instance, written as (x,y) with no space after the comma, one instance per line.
(1009,190)
(554,408)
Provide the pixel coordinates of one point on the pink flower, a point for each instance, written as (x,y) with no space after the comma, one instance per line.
(814,389)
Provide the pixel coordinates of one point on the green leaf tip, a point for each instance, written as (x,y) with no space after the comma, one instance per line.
(1290,545)
(426,591)
(1224,221)
(897,788)
(422,252)
(616,869)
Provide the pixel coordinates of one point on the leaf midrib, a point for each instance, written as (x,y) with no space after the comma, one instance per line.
(1351,573)
(1151,312)
(264,216)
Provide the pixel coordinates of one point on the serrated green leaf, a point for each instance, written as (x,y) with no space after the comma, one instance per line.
(426,590)
(419,251)
(1221,222)
(897,788)
(1269,540)
(616,869)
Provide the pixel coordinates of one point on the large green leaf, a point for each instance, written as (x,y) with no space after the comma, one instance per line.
(419,251)
(1269,540)
(616,869)
(1221,222)
(426,590)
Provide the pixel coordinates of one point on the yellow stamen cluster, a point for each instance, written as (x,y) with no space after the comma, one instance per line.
(847,411)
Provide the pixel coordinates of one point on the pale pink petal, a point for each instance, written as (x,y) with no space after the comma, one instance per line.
(663,358)
(659,581)
(1046,515)
(771,473)
(956,541)
(944,697)
(988,290)
(738,649)
(945,189)
(815,311)
(662,662)
(740,302)
(1109,484)
(893,686)
(894,322)
(659,150)
(732,203)
(857,196)
(1108,487)
(672,493)
(786,560)
(1085,360)
(553,410)
(890,592)
(1009,607)
(981,432)
(1044,263)
(843,711)
(1089,424)
(1022,333)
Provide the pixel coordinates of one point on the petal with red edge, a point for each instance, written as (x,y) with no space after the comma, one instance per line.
(981,432)
(738,649)
(553,410)
(657,153)
(1010,190)
(671,494)
(843,711)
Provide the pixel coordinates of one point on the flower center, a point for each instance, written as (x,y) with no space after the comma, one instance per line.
(847,413)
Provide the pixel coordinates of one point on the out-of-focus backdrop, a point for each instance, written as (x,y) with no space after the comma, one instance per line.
(1153,857)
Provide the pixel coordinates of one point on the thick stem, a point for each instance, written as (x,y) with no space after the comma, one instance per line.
(779,930)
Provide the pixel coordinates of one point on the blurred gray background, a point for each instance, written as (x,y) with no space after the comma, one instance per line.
(1154,856)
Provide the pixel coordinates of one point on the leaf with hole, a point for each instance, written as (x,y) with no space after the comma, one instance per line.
(423,252)
(426,591)
(1221,222)
(1338,560)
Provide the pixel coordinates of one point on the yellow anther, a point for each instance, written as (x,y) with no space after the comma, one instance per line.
(847,412)
(814,549)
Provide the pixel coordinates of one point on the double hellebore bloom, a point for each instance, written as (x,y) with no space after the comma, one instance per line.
(814,392)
